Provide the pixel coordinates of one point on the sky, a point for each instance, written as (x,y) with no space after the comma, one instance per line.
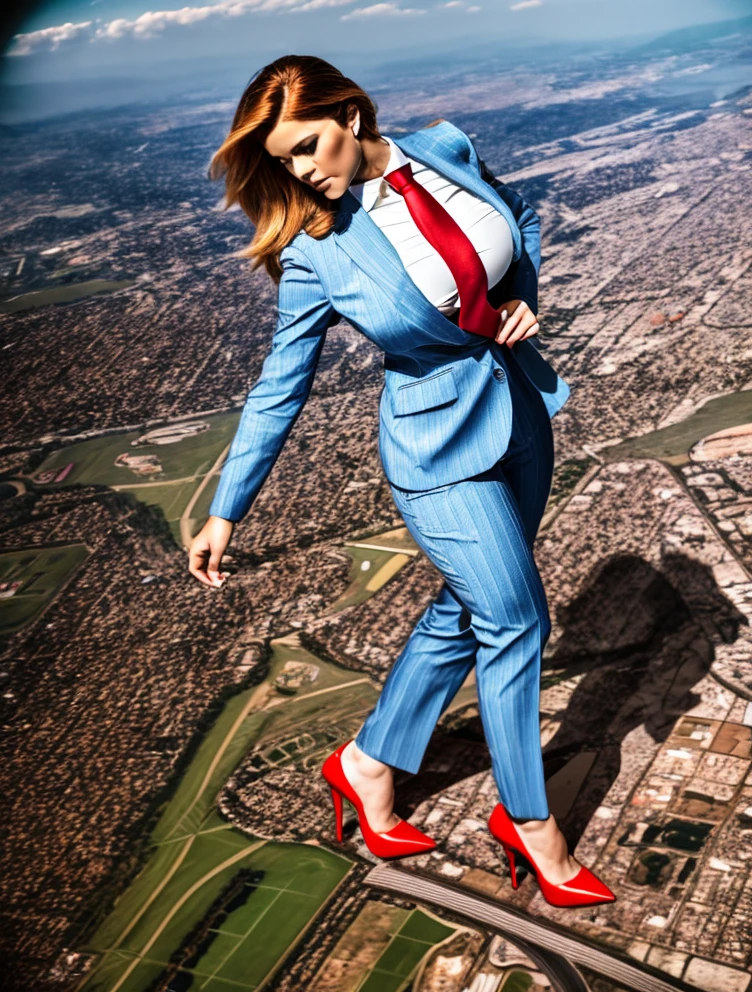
(131,45)
(77,35)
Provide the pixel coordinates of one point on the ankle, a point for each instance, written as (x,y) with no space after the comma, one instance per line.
(365,764)
(532,825)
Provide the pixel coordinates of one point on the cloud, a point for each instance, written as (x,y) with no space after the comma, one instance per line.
(152,23)
(381,10)
(50,38)
(525,4)
(317,4)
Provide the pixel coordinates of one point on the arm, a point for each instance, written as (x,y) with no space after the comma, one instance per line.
(520,281)
(278,396)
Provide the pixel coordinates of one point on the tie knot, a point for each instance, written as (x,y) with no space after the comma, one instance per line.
(400,178)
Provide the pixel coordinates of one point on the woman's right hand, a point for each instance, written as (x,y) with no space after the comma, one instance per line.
(207,548)
(518,322)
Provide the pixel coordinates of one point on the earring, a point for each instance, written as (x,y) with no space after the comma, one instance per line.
(356,125)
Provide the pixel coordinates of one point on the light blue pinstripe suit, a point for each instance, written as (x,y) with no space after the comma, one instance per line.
(465,430)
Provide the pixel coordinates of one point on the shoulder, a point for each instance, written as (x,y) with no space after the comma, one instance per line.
(442,133)
(292,255)
(298,265)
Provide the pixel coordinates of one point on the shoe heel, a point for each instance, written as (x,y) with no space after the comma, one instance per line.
(512,867)
(337,800)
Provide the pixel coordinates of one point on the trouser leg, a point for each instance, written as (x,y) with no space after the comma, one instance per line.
(513,633)
(492,611)
(424,679)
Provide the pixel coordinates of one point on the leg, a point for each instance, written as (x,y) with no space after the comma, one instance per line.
(441,650)
(528,468)
(432,666)
(474,533)
(482,542)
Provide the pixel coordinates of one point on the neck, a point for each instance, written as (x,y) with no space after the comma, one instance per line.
(375,153)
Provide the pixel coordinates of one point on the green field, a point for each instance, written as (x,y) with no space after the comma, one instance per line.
(404,952)
(295,880)
(94,460)
(42,571)
(396,541)
(64,293)
(672,444)
(196,853)
(356,591)
(182,466)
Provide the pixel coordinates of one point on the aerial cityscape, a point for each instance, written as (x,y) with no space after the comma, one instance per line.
(163,740)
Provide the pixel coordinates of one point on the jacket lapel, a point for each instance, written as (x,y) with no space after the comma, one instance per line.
(356,233)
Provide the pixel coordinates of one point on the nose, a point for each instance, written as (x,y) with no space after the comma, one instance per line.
(305,173)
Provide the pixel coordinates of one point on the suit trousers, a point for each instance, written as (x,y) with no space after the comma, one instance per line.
(491,611)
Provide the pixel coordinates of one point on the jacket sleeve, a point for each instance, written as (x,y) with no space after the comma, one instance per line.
(278,396)
(520,282)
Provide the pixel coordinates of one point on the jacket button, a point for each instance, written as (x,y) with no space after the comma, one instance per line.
(499,374)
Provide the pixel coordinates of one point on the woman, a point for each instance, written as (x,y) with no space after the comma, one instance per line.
(383,233)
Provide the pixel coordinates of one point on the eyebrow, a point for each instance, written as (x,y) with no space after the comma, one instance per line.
(295,148)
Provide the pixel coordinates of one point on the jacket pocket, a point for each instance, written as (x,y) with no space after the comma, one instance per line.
(433,390)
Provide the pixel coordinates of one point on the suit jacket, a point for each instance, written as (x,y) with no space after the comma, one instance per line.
(445,410)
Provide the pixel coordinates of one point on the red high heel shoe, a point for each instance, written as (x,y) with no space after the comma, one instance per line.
(398,842)
(584,889)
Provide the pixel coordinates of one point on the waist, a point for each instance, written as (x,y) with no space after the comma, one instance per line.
(396,363)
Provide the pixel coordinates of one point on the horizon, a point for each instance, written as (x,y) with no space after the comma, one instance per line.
(38,86)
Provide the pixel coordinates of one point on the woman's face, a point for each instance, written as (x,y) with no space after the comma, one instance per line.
(321,154)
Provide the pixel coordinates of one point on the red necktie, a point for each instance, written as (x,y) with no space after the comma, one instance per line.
(442,231)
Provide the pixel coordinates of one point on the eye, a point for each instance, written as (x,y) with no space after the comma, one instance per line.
(309,149)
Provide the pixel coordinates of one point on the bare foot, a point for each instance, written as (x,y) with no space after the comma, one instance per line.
(372,780)
(548,846)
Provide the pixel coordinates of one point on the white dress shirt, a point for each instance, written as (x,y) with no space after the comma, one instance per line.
(487,229)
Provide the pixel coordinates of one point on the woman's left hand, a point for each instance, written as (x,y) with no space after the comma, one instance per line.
(517,322)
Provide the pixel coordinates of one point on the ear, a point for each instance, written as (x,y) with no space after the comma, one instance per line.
(353,118)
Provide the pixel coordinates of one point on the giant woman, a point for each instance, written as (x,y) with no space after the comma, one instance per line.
(415,243)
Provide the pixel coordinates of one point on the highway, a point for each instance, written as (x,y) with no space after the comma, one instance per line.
(554,949)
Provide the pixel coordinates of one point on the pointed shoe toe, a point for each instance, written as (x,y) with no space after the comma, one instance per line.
(408,835)
(585,881)
(584,889)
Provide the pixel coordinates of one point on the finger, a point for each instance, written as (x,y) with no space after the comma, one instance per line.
(203,578)
(197,571)
(213,569)
(522,330)
(509,327)
(527,320)
(533,331)
(197,565)
(502,317)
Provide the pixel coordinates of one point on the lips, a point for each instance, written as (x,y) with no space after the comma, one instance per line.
(320,183)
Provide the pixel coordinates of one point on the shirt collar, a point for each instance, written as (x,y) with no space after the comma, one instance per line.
(368,192)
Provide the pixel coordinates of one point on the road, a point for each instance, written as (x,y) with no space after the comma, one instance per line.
(555,949)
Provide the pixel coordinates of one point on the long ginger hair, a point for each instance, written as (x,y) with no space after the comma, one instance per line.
(293,87)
